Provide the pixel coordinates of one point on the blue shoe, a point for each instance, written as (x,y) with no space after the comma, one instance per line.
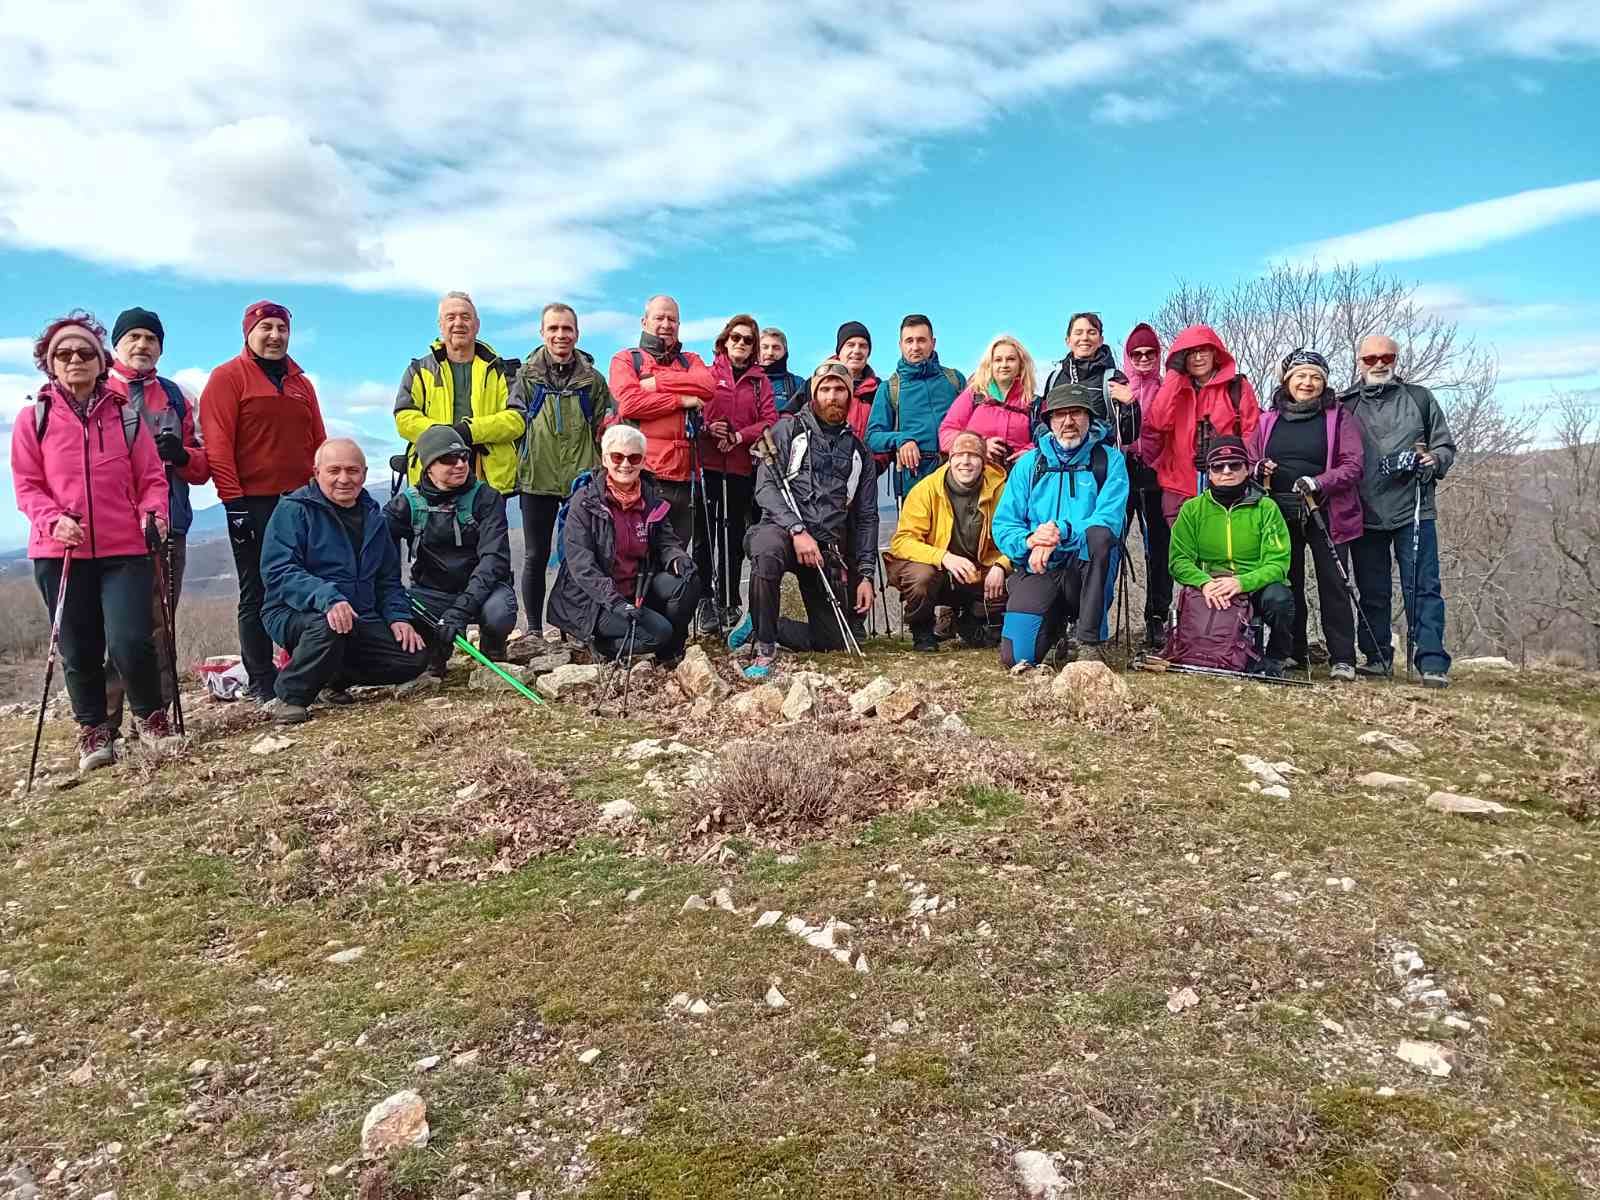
(760,667)
(742,633)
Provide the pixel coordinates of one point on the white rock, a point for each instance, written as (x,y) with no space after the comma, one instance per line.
(697,677)
(1087,687)
(398,1123)
(1037,1174)
(770,917)
(798,927)
(588,1056)
(1276,791)
(199,1066)
(618,812)
(270,743)
(900,1028)
(1346,884)
(466,1058)
(699,1008)
(1181,999)
(346,957)
(1496,999)
(1405,961)
(775,998)
(802,700)
(634,896)
(1280,876)
(1427,1056)
(426,1064)
(1382,781)
(1331,1025)
(723,899)
(822,938)
(1266,773)
(1487,662)
(679,1002)
(954,726)
(764,703)
(862,967)
(564,680)
(1397,745)
(695,904)
(1464,806)
(865,700)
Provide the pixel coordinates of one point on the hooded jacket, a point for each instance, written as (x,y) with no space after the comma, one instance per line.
(150,395)
(659,413)
(427,397)
(560,442)
(745,403)
(790,392)
(926,394)
(927,520)
(1092,373)
(861,401)
(1338,485)
(1145,385)
(987,417)
(1249,541)
(260,440)
(1063,490)
(834,482)
(584,587)
(464,560)
(1392,419)
(1175,414)
(307,565)
(86,466)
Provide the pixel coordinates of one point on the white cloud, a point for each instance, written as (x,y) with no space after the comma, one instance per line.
(1116,108)
(1454,303)
(16,352)
(1449,231)
(1555,359)
(702,329)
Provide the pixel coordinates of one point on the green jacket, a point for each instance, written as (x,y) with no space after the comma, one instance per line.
(1249,541)
(565,420)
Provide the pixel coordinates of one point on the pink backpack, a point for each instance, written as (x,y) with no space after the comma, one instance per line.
(1207,637)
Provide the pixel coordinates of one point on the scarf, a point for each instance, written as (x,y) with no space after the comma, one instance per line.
(967,516)
(1228,496)
(659,349)
(627,499)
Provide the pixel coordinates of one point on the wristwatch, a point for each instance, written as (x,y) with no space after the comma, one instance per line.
(796,530)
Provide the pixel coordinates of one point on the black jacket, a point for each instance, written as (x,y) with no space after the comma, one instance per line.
(1100,370)
(1392,419)
(468,561)
(584,587)
(834,483)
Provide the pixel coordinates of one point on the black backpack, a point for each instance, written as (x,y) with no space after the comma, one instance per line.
(130,415)
(1096,467)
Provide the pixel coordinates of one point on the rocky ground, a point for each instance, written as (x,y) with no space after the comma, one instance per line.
(911,928)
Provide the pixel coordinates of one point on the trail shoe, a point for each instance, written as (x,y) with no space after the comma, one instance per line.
(1155,634)
(1373,668)
(977,634)
(731,616)
(943,620)
(1342,672)
(335,696)
(742,633)
(707,619)
(95,749)
(1270,668)
(1066,651)
(1435,679)
(284,713)
(925,638)
(156,731)
(760,667)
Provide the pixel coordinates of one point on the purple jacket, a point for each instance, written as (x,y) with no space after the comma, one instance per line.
(1339,484)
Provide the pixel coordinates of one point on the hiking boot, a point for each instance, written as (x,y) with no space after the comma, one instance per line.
(1066,651)
(1270,668)
(156,731)
(335,696)
(975,634)
(943,620)
(742,633)
(1342,672)
(707,619)
(924,638)
(731,617)
(760,667)
(284,713)
(1435,679)
(95,747)
(1155,634)
(1373,668)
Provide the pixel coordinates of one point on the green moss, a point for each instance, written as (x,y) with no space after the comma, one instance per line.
(672,1167)
(917,1066)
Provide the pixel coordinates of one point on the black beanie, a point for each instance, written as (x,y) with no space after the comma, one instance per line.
(849,330)
(138,318)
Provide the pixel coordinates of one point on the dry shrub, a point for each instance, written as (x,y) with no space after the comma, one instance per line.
(1034,702)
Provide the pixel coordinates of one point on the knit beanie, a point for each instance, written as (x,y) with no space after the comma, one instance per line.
(436,441)
(849,330)
(1142,338)
(138,318)
(260,311)
(74,330)
(1303,358)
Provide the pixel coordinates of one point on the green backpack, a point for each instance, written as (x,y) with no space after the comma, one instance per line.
(421,510)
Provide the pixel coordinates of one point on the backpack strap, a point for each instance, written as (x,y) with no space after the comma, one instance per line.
(954,376)
(41,420)
(174,397)
(1235,390)
(1097,467)
(894,399)
(638,361)
(130,424)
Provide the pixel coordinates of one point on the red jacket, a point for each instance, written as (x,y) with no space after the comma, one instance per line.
(86,467)
(1167,440)
(259,441)
(748,405)
(659,413)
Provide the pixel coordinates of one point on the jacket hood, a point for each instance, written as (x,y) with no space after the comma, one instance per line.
(1196,336)
(928,368)
(312,494)
(538,364)
(480,349)
(1127,359)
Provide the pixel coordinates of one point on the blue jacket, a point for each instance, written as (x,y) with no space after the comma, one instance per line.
(926,393)
(1065,493)
(306,564)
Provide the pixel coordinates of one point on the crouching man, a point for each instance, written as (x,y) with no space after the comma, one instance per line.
(455,526)
(1060,516)
(333,595)
(943,549)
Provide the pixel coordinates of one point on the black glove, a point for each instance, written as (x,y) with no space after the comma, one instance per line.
(241,529)
(1306,485)
(169,445)
(1402,462)
(625,612)
(452,625)
(464,428)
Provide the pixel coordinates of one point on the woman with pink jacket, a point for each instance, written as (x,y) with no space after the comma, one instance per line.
(1141,360)
(88,478)
(994,404)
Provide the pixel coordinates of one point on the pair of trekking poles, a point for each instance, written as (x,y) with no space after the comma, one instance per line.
(716,541)
(162,554)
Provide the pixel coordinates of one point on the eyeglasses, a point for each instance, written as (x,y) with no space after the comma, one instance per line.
(70,354)
(617,459)
(1141,354)
(454,459)
(1373,360)
(742,339)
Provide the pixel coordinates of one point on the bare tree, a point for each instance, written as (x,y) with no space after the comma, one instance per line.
(1571,480)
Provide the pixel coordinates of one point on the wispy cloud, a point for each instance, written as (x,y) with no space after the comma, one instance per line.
(1450,231)
(1116,108)
(1552,359)
(16,352)
(1455,303)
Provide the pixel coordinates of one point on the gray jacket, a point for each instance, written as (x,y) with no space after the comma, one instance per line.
(1392,419)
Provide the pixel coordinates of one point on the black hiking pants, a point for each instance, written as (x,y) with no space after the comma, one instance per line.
(107,613)
(320,658)
(772,556)
(663,620)
(1338,616)
(538,532)
(1038,606)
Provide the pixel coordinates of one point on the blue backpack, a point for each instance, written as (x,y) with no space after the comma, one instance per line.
(582,481)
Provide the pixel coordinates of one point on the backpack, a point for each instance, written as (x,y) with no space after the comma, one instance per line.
(1096,467)
(582,481)
(584,394)
(638,361)
(950,373)
(1204,636)
(130,416)
(421,510)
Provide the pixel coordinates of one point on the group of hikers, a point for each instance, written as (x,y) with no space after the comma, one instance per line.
(658,480)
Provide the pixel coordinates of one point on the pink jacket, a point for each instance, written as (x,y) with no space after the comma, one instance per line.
(747,405)
(86,467)
(989,419)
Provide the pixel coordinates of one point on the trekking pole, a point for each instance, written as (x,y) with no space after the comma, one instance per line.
(472,652)
(1321,522)
(152,539)
(172,630)
(1149,662)
(641,586)
(50,661)
(1416,570)
(724,576)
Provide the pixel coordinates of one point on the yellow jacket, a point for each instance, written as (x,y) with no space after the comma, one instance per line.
(427,398)
(926,519)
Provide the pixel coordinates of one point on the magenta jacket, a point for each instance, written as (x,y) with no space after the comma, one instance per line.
(86,466)
(989,419)
(1341,499)
(745,403)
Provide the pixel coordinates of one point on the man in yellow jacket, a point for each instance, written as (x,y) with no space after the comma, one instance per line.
(943,549)
(460,382)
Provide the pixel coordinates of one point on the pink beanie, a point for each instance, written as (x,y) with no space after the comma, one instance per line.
(73,329)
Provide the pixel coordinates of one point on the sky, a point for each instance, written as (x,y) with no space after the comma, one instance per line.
(995,167)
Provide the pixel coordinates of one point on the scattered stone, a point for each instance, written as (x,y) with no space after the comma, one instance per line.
(802,700)
(770,917)
(483,679)
(699,1008)
(1036,1171)
(697,677)
(900,1028)
(398,1123)
(1405,960)
(1281,876)
(775,998)
(82,1076)
(1496,999)
(1088,687)
(1276,791)
(723,899)
(1427,1056)
(1487,662)
(1100,1118)
(634,896)
(861,965)
(764,703)
(199,1067)
(1346,884)
(1331,1025)
(564,680)
(588,1056)
(1021,668)
(111,1195)
(1382,781)
(1397,745)
(1268,774)
(344,958)
(466,1058)
(1464,806)
(422,685)
(618,812)
(695,904)
(270,743)
(1181,999)
(954,726)
(902,704)
(679,1002)
(423,1065)
(865,701)
(544,663)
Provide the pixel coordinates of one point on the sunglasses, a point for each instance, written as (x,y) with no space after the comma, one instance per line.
(617,459)
(1141,354)
(741,339)
(1228,464)
(1373,360)
(69,354)
(454,458)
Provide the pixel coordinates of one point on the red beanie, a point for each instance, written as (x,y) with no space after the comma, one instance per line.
(261,310)
(1142,338)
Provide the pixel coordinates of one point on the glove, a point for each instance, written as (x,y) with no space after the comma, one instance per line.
(1306,485)
(452,625)
(1402,462)
(241,529)
(625,612)
(170,447)
(464,428)
(1426,471)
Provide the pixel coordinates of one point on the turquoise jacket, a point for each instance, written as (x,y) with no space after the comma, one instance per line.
(1052,483)
(926,391)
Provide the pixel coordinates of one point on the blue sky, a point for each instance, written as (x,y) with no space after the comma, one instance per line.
(808,164)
